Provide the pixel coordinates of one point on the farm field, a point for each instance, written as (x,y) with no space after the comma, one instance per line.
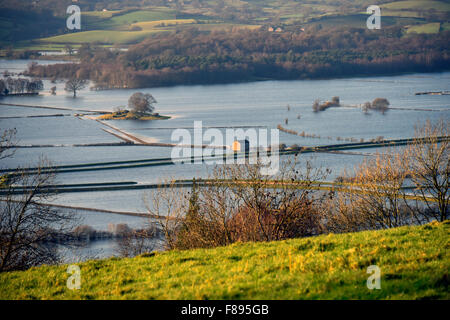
(425,28)
(129,26)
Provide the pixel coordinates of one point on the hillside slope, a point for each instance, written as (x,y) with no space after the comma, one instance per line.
(414,263)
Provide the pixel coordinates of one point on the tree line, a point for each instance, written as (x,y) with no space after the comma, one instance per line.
(195,57)
(20,86)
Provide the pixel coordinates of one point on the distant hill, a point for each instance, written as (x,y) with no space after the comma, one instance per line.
(16,25)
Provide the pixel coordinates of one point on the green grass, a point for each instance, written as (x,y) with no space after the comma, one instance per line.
(99,21)
(100,14)
(401,13)
(417,4)
(425,28)
(414,263)
(130,27)
(149,25)
(106,28)
(141,16)
(130,37)
(360,20)
(102,36)
(446,26)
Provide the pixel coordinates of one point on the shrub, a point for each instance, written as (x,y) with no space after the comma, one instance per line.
(136,242)
(380,104)
(122,229)
(317,106)
(238,203)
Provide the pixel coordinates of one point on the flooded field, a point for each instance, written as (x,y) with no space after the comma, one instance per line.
(258,104)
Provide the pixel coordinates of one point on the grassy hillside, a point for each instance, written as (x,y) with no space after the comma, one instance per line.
(414,263)
(103,20)
(425,28)
(103,36)
(418,5)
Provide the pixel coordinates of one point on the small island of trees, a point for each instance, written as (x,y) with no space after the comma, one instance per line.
(379,104)
(142,107)
(317,106)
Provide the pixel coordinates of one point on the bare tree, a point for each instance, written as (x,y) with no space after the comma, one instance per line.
(284,205)
(372,198)
(168,204)
(69,49)
(429,167)
(26,223)
(316,105)
(75,84)
(136,242)
(366,107)
(141,103)
(238,203)
(7,143)
(34,86)
(19,86)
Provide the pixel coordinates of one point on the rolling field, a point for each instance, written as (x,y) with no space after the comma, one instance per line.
(414,264)
(425,28)
(117,20)
(408,14)
(149,25)
(417,5)
(130,26)
(112,27)
(137,16)
(102,36)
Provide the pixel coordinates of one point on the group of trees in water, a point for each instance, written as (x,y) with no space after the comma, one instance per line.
(20,86)
(195,57)
(378,104)
(317,106)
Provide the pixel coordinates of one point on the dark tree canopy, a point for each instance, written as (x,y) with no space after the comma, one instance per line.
(141,103)
(380,103)
(221,57)
(26,223)
(20,86)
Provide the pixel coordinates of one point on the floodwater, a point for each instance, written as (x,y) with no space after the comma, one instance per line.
(262,105)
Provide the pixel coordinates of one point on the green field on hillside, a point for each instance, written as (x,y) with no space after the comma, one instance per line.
(102,36)
(129,25)
(123,20)
(425,28)
(414,264)
(418,5)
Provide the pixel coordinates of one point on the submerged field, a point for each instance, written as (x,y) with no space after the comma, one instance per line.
(414,264)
